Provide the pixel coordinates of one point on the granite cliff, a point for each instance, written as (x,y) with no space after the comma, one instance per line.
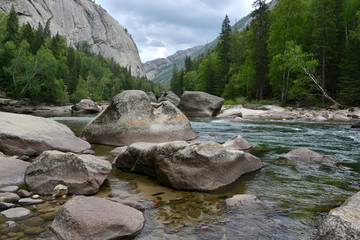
(79,21)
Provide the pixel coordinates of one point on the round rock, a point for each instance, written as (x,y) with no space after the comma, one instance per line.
(18,213)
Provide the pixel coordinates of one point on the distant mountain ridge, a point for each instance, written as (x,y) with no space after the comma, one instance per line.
(81,21)
(160,70)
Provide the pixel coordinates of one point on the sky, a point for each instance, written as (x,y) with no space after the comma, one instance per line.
(162,27)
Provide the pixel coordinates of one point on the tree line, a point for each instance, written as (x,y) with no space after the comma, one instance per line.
(41,67)
(301,51)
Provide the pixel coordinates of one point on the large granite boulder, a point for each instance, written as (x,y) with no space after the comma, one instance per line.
(28,135)
(86,106)
(200,104)
(82,174)
(342,222)
(84,218)
(131,117)
(200,166)
(12,171)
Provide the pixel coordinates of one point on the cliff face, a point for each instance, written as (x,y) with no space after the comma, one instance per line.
(78,21)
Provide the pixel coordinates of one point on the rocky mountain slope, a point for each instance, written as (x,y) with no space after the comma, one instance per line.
(79,21)
(160,70)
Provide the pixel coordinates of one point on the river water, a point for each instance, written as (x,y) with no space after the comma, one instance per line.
(297,194)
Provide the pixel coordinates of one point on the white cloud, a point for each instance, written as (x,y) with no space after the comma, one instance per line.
(162,27)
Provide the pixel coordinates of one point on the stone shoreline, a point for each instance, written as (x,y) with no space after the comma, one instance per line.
(234,112)
(239,113)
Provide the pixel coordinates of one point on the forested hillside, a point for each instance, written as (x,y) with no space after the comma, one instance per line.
(43,68)
(302,50)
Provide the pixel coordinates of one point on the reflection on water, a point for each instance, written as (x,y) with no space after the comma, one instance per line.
(300,193)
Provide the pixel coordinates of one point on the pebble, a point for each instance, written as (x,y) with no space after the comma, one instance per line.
(91,152)
(9,224)
(9,189)
(5,206)
(18,213)
(23,193)
(29,201)
(9,197)
(36,196)
(60,190)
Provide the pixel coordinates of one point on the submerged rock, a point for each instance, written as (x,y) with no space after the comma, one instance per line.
(201,166)
(82,174)
(29,135)
(132,118)
(356,125)
(200,104)
(97,218)
(304,154)
(342,222)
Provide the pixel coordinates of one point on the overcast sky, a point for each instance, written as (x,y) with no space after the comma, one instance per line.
(162,27)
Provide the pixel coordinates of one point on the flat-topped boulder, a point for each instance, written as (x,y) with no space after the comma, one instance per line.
(29,135)
(82,174)
(342,222)
(200,166)
(96,218)
(12,171)
(200,104)
(86,106)
(131,118)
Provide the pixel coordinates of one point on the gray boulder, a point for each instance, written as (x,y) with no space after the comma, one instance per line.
(131,117)
(82,174)
(342,222)
(304,154)
(168,96)
(29,135)
(12,171)
(86,106)
(95,218)
(200,104)
(200,166)
(238,143)
(137,158)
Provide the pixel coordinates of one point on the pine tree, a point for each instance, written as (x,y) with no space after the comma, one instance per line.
(326,41)
(260,33)
(12,27)
(224,54)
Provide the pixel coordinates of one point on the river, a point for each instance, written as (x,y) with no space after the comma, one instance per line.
(298,194)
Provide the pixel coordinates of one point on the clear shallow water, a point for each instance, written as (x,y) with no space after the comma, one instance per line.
(299,194)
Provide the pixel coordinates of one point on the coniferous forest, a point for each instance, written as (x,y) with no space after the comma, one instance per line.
(37,66)
(301,51)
